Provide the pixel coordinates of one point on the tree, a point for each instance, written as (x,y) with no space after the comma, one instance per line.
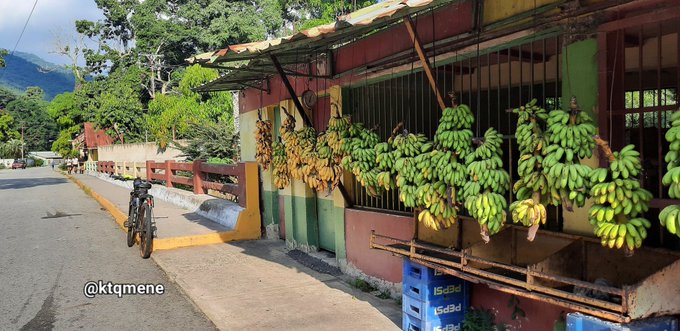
(7,130)
(210,141)
(30,112)
(3,52)
(11,149)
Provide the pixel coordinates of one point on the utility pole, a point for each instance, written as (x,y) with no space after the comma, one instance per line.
(23,125)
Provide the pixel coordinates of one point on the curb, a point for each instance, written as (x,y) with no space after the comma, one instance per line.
(158,244)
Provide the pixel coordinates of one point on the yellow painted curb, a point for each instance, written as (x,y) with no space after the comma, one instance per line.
(173,242)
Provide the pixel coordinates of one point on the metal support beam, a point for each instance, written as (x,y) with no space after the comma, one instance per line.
(423,59)
(291,91)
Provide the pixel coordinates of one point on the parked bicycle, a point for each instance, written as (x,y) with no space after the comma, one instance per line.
(140,218)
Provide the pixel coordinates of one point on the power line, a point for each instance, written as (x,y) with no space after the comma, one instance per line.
(22,33)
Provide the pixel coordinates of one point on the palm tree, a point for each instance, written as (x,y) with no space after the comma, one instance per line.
(11,149)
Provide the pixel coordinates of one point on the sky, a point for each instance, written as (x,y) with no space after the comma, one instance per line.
(50,18)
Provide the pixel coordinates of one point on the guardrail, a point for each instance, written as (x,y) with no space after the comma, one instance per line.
(196,175)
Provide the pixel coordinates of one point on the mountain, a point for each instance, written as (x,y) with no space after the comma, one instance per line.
(25,69)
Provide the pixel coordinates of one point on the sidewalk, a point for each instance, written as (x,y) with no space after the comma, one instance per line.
(255,284)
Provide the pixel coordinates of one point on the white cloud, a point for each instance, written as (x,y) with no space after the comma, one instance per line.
(49,18)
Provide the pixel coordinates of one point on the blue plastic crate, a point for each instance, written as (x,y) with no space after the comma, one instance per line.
(581,322)
(422,273)
(450,288)
(433,310)
(410,323)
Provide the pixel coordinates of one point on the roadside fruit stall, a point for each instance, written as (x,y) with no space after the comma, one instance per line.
(530,149)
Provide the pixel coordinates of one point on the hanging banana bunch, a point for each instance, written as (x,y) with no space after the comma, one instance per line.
(571,140)
(327,172)
(302,165)
(385,158)
(407,147)
(263,140)
(532,189)
(360,157)
(280,166)
(619,200)
(447,171)
(670,216)
(487,183)
(338,132)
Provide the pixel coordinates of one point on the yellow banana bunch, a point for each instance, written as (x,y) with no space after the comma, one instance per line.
(338,131)
(669,215)
(279,165)
(488,181)
(263,140)
(528,212)
(619,200)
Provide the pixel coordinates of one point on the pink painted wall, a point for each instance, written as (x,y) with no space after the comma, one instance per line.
(539,315)
(376,263)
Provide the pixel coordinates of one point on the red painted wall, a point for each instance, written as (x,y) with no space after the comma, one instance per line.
(539,315)
(376,263)
(449,21)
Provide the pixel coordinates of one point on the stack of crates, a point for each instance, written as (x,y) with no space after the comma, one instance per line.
(432,300)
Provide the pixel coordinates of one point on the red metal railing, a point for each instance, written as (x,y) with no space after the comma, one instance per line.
(198,177)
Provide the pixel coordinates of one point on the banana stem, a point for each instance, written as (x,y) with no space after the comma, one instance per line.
(604,146)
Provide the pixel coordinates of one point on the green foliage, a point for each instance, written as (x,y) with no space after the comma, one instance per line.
(11,149)
(211,140)
(62,145)
(7,130)
(481,320)
(3,53)
(38,162)
(30,111)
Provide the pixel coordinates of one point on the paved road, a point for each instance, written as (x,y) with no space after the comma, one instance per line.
(53,240)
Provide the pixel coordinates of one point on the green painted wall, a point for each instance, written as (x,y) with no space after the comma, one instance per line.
(270,214)
(331,227)
(579,74)
(301,220)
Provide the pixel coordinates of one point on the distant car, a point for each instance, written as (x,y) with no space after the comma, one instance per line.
(19,164)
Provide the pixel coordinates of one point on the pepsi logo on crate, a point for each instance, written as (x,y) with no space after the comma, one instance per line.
(448,289)
(422,273)
(410,323)
(437,310)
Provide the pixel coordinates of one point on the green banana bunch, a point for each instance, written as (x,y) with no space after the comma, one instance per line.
(410,152)
(337,132)
(532,189)
(488,181)
(619,200)
(360,157)
(571,139)
(441,172)
(669,215)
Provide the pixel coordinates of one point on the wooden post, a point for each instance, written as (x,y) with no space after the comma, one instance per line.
(149,170)
(198,177)
(168,173)
(124,168)
(134,169)
(423,60)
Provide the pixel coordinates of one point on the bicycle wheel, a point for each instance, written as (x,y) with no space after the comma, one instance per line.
(132,219)
(146,232)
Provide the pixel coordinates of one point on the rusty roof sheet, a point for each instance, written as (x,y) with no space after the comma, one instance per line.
(352,22)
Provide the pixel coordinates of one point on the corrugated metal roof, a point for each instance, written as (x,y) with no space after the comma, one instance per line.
(298,47)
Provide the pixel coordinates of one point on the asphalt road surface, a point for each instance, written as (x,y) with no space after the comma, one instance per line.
(53,240)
